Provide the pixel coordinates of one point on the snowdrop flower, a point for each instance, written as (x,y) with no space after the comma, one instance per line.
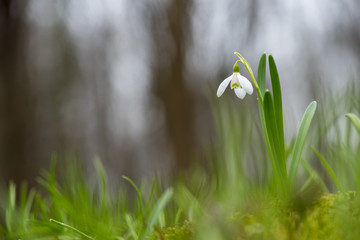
(239,83)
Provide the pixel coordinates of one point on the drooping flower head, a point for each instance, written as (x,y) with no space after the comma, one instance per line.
(239,83)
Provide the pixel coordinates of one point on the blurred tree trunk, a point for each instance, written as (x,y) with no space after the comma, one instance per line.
(170,32)
(16,118)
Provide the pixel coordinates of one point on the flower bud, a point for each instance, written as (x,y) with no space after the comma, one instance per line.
(236,67)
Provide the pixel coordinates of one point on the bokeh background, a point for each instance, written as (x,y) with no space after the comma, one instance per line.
(129,81)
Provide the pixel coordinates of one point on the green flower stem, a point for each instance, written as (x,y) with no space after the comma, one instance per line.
(248,68)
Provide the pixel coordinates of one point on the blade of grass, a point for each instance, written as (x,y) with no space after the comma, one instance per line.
(154,215)
(307,183)
(72,229)
(130,224)
(138,193)
(355,121)
(328,169)
(300,141)
(10,211)
(313,174)
(26,202)
(189,203)
(178,215)
(149,202)
(101,174)
(103,187)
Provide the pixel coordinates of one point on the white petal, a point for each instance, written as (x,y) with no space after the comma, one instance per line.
(234,81)
(240,93)
(245,84)
(223,85)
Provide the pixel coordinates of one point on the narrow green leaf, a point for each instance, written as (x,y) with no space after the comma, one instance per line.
(72,228)
(328,169)
(313,175)
(276,89)
(306,184)
(189,203)
(12,196)
(100,170)
(10,211)
(154,215)
(26,201)
(279,164)
(266,136)
(261,76)
(262,85)
(355,121)
(266,111)
(289,149)
(178,215)
(300,140)
(139,197)
(151,197)
(130,224)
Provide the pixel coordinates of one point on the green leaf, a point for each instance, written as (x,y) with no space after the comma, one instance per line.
(266,136)
(139,197)
(262,85)
(264,130)
(276,89)
(267,119)
(261,76)
(300,140)
(10,211)
(72,229)
(131,226)
(155,213)
(354,120)
(328,169)
(278,163)
(100,170)
(313,175)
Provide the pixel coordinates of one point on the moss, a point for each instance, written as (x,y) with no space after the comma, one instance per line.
(183,232)
(331,216)
(326,219)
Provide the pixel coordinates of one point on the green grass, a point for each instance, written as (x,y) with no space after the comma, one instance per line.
(255,185)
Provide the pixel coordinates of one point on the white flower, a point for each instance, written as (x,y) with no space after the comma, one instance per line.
(239,83)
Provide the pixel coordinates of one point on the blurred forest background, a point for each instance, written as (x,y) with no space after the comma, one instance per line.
(129,80)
